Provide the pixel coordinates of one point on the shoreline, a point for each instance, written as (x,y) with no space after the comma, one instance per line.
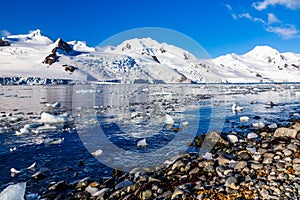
(262,167)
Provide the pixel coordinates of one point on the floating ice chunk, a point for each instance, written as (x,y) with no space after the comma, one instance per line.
(274,125)
(185,123)
(252,136)
(169,120)
(98,152)
(45,129)
(258,125)
(244,119)
(236,108)
(34,125)
(13,170)
(14,192)
(53,119)
(24,131)
(142,143)
(54,141)
(31,167)
(54,105)
(296,114)
(12,149)
(14,119)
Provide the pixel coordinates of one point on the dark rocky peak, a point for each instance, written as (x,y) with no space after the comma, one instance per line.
(62,45)
(4,43)
(50,59)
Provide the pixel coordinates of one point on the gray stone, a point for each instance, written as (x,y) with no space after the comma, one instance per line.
(240,165)
(296,161)
(287,152)
(292,147)
(232,138)
(230,180)
(123,184)
(285,132)
(222,160)
(256,166)
(296,167)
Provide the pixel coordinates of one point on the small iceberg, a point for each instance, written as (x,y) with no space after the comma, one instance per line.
(236,108)
(23,131)
(54,141)
(244,119)
(14,192)
(185,124)
(97,153)
(53,119)
(45,129)
(54,105)
(142,143)
(169,120)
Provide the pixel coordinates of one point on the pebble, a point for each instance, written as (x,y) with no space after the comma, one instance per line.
(252,136)
(232,138)
(258,125)
(285,132)
(240,165)
(257,166)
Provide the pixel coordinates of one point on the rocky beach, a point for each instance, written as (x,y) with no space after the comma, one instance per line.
(264,165)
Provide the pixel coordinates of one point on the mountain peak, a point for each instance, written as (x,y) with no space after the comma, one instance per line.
(35,33)
(263,51)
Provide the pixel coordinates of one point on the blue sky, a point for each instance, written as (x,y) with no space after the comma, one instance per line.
(220,26)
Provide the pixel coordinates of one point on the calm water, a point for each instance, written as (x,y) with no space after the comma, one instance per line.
(125,114)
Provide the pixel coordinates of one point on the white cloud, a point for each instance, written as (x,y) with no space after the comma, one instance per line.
(291,4)
(286,32)
(248,16)
(228,7)
(5,33)
(272,19)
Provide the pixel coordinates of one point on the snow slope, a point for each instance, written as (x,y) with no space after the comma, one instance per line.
(262,63)
(142,60)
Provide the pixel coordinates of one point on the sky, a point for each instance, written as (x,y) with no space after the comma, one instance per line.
(219,26)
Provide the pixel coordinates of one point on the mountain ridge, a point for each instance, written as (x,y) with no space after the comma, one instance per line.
(146,60)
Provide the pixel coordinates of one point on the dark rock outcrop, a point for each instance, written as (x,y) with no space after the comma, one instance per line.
(156,59)
(69,68)
(63,46)
(4,43)
(50,59)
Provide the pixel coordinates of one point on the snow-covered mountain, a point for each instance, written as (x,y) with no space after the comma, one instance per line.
(139,60)
(262,63)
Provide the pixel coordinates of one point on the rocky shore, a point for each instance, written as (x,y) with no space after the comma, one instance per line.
(265,164)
